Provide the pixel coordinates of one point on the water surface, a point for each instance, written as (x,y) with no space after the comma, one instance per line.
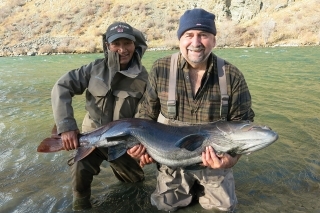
(285,177)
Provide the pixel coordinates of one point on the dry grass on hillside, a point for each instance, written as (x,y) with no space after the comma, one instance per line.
(76,26)
(296,25)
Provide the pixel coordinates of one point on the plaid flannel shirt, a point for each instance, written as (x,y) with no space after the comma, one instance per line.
(205,105)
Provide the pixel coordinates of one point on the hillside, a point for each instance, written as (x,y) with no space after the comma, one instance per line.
(56,26)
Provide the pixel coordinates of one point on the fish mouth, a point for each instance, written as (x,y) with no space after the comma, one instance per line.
(255,144)
(247,137)
(254,148)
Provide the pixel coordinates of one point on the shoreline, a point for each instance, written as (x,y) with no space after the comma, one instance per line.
(35,53)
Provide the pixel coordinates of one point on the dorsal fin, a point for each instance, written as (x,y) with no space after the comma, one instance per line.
(54,132)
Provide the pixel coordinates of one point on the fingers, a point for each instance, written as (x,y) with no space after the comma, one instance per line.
(137,151)
(204,161)
(212,155)
(145,159)
(133,150)
(221,161)
(69,140)
(210,159)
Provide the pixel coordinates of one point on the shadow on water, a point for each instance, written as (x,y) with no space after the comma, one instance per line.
(284,177)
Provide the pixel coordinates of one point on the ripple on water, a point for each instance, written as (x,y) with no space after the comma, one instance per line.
(2,127)
(5,197)
(5,156)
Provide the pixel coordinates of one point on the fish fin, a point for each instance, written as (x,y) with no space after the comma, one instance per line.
(83,152)
(190,142)
(53,144)
(117,151)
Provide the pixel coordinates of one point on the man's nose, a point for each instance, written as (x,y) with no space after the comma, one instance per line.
(122,49)
(196,41)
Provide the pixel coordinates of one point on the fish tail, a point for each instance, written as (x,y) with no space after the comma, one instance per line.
(53,144)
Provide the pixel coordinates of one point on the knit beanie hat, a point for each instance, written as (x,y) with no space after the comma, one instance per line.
(197,19)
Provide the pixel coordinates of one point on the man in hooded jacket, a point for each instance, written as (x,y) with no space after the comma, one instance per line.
(114,86)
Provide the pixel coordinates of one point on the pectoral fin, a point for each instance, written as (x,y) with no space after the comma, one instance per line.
(117,151)
(83,152)
(190,142)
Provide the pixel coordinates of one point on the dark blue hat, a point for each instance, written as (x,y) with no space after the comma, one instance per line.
(197,19)
(119,30)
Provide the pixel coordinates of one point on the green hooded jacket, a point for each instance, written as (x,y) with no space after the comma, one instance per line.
(111,94)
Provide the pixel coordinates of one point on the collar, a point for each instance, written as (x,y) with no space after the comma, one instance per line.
(134,68)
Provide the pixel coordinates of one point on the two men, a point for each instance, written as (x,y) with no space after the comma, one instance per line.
(197,99)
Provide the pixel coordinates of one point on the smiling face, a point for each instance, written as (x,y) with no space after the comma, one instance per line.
(196,46)
(125,48)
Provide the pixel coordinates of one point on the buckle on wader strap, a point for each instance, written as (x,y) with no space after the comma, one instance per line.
(171,103)
(224,108)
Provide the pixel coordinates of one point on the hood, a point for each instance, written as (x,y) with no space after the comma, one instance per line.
(140,43)
(112,58)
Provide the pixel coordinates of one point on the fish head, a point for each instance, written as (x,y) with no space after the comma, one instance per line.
(245,137)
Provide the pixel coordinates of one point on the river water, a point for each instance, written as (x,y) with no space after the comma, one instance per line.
(284,177)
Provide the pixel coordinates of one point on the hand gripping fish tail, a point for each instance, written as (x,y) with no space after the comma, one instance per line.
(52,144)
(175,146)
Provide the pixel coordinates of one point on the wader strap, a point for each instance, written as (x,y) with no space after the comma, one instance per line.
(162,119)
(171,103)
(223,89)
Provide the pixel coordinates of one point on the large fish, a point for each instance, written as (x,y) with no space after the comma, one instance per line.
(175,146)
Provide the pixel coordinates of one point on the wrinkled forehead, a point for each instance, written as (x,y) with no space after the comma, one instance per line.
(197,32)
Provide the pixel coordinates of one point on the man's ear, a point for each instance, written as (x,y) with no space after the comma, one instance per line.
(214,41)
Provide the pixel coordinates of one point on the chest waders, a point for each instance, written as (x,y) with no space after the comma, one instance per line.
(168,196)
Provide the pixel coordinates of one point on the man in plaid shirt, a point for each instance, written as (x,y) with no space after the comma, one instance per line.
(197,96)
